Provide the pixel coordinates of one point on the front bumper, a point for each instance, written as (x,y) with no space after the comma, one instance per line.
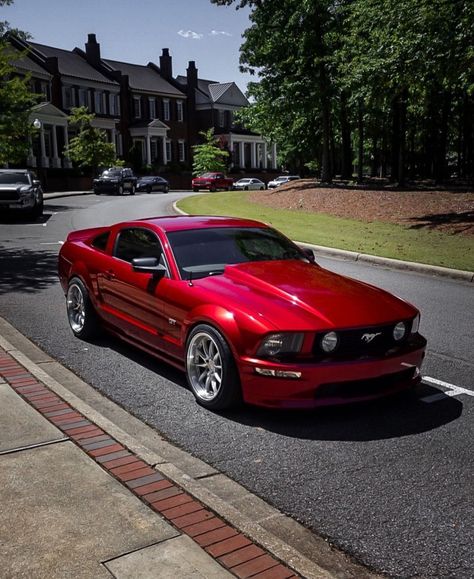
(332,382)
(106,187)
(22,203)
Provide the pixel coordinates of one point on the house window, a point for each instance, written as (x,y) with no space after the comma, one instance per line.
(152,107)
(181,151)
(137,107)
(166,109)
(168,151)
(83,97)
(179,111)
(68,97)
(99,101)
(221,118)
(114,104)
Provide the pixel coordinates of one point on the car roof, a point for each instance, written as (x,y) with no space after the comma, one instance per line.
(184,222)
(15,171)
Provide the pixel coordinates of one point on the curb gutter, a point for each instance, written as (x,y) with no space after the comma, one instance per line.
(456,274)
(299,559)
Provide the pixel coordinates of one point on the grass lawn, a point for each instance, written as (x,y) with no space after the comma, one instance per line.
(375,238)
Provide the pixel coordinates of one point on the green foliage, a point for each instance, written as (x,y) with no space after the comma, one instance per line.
(89,148)
(208,156)
(16,102)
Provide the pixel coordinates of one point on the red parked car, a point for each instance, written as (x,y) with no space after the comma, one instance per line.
(245,312)
(212,182)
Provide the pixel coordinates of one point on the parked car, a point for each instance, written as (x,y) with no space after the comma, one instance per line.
(249,184)
(151,183)
(246,313)
(282,180)
(116,180)
(20,189)
(212,182)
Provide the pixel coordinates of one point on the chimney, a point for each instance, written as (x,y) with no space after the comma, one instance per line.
(192,75)
(92,49)
(166,65)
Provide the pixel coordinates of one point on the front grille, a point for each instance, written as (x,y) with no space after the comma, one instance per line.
(362,388)
(373,341)
(9,195)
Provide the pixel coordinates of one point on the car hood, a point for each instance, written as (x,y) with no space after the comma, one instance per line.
(15,187)
(294,295)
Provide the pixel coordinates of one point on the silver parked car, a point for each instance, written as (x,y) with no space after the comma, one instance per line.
(249,184)
(20,189)
(282,180)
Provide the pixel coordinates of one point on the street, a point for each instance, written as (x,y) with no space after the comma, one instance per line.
(390,482)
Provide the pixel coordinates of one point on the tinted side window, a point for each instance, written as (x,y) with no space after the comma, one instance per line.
(100,242)
(137,242)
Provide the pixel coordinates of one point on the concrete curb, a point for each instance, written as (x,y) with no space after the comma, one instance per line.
(455,274)
(282,537)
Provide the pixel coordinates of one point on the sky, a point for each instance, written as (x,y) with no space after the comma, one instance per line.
(135,31)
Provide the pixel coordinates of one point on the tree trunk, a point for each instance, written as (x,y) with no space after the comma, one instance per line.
(326,175)
(346,152)
(402,138)
(360,154)
(441,149)
(395,138)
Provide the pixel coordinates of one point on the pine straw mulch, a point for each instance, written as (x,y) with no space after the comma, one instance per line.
(438,210)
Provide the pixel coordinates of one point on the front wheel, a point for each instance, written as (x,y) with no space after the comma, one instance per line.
(210,369)
(120,190)
(195,189)
(81,315)
(132,190)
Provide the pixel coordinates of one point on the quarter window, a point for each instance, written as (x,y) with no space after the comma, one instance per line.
(100,242)
(137,242)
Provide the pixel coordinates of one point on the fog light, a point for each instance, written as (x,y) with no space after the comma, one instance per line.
(329,342)
(399,331)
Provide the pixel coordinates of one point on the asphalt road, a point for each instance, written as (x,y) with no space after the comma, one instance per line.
(391,482)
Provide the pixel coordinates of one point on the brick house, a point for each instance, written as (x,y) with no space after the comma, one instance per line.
(151,117)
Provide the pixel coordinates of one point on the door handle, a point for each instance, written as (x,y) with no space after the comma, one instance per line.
(110,274)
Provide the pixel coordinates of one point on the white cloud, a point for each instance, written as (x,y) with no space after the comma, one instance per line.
(219,33)
(190,34)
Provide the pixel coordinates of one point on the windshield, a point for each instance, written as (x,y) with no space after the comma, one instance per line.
(208,175)
(111,173)
(204,252)
(245,181)
(14,179)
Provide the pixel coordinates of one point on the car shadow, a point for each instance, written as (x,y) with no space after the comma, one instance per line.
(391,417)
(26,270)
(8,217)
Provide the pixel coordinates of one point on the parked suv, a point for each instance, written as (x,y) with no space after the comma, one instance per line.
(212,182)
(116,180)
(20,189)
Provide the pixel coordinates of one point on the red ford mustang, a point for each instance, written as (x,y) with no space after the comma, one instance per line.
(244,311)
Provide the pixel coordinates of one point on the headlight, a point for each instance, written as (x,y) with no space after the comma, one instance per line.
(415,326)
(399,331)
(277,344)
(329,342)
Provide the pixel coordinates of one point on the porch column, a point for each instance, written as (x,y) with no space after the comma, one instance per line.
(56,160)
(264,155)
(44,159)
(148,150)
(66,161)
(253,155)
(274,156)
(114,139)
(31,159)
(242,155)
(165,158)
(231,150)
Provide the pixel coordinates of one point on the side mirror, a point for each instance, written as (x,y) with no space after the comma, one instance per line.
(309,254)
(148,265)
(36,182)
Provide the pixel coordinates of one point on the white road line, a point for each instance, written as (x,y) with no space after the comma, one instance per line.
(451,391)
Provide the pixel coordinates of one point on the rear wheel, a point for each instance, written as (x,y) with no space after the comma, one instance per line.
(81,315)
(132,190)
(210,369)
(37,209)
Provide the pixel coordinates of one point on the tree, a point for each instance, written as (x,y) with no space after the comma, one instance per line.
(16,102)
(208,156)
(89,148)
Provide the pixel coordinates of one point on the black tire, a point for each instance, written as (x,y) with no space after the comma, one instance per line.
(195,189)
(37,209)
(246,188)
(262,188)
(212,190)
(90,325)
(229,393)
(166,189)
(148,190)
(132,190)
(120,190)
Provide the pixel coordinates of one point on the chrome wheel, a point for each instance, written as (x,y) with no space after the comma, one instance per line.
(76,309)
(204,366)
